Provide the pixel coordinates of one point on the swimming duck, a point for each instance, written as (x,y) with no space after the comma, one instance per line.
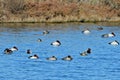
(29,51)
(85,53)
(112,34)
(88,51)
(14,48)
(56,43)
(114,43)
(33,57)
(7,51)
(100,28)
(39,40)
(67,58)
(46,32)
(53,58)
(87,31)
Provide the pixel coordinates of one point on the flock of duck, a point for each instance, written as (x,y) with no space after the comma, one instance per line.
(58,43)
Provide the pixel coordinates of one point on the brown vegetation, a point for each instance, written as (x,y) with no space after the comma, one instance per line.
(59,10)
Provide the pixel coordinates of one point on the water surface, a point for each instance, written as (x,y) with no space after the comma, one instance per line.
(102,64)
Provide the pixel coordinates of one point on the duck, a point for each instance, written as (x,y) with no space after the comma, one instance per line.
(35,56)
(56,43)
(87,31)
(14,48)
(46,32)
(88,51)
(67,58)
(7,51)
(53,58)
(85,53)
(114,43)
(112,34)
(39,40)
(100,28)
(29,51)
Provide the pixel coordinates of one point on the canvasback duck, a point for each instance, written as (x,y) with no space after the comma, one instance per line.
(87,31)
(56,43)
(112,34)
(53,58)
(67,58)
(46,32)
(14,48)
(85,53)
(114,43)
(33,57)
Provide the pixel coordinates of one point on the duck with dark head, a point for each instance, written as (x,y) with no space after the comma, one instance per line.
(8,51)
(67,58)
(35,56)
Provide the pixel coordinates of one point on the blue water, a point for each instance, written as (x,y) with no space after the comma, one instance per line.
(102,64)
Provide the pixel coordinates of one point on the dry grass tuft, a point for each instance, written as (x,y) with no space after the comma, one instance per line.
(59,10)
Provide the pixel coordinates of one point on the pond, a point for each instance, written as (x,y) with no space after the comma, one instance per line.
(103,63)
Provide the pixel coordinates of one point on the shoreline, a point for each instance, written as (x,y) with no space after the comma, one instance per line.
(63,22)
(113,23)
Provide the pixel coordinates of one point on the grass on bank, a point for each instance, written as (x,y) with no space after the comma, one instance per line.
(59,10)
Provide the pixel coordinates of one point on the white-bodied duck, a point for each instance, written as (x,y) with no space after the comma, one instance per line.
(52,58)
(46,32)
(14,48)
(114,43)
(112,34)
(86,31)
(56,43)
(67,58)
(85,53)
(35,56)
